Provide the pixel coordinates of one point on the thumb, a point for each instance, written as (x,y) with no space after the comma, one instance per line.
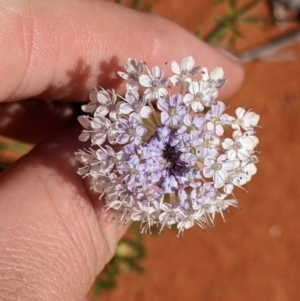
(53,239)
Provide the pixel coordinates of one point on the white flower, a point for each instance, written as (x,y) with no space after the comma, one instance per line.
(244,119)
(216,118)
(240,176)
(211,206)
(119,198)
(215,78)
(190,218)
(218,169)
(170,215)
(201,94)
(88,159)
(134,106)
(207,145)
(222,204)
(183,72)
(208,209)
(134,70)
(97,129)
(249,169)
(241,146)
(108,158)
(200,195)
(155,84)
(102,184)
(146,215)
(102,102)
(130,130)
(231,181)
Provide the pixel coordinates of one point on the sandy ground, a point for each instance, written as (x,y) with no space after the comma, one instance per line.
(255,255)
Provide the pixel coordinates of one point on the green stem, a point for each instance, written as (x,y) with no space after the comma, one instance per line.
(223,27)
(136,4)
(154,114)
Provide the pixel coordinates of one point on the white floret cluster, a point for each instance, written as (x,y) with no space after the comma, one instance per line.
(167,158)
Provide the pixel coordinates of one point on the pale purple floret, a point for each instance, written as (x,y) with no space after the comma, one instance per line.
(155,84)
(165,163)
(129,131)
(102,103)
(207,145)
(184,72)
(133,173)
(172,111)
(216,118)
(133,69)
(191,128)
(109,158)
(134,106)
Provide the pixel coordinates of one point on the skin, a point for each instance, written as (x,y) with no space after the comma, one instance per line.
(54,236)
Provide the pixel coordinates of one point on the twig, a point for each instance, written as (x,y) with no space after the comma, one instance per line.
(221,27)
(270,47)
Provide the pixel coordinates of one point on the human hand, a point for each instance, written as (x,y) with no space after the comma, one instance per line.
(54,237)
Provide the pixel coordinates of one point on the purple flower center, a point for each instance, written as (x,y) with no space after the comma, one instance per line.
(164,158)
(171,156)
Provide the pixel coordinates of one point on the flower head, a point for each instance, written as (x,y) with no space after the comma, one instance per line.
(171,164)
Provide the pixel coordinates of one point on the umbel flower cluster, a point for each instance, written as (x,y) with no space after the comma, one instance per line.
(162,158)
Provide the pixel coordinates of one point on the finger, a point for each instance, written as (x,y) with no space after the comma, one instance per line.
(63,48)
(53,240)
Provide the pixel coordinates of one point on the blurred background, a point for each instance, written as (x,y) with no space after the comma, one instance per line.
(255,255)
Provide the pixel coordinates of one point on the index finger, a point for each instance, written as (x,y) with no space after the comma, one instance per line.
(63,48)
